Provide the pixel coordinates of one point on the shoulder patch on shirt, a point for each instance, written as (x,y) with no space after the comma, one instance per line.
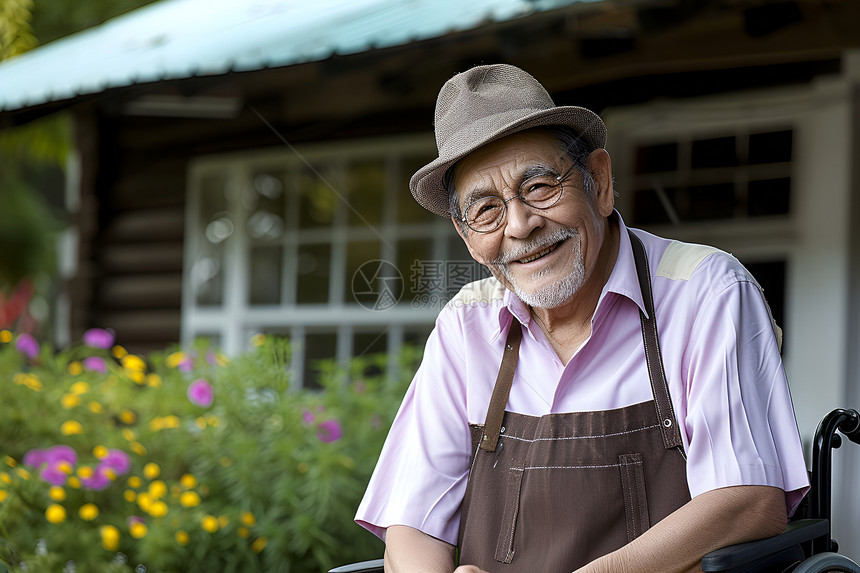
(681,259)
(483,291)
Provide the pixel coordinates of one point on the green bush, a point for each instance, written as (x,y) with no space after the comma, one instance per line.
(185,461)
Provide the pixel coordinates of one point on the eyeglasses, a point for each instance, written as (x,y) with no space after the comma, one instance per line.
(487,214)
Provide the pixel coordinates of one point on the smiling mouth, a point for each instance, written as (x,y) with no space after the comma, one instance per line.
(540,254)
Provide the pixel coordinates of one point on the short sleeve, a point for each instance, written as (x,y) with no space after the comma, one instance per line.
(740,419)
(420,477)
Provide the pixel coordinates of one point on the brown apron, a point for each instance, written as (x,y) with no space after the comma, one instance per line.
(553,493)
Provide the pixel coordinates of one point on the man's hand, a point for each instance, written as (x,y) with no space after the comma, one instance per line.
(709,521)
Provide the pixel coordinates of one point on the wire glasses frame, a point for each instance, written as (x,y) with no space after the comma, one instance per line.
(543,191)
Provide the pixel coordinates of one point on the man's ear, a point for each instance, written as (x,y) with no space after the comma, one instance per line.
(599,165)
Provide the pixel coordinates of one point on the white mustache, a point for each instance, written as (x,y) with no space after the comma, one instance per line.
(537,244)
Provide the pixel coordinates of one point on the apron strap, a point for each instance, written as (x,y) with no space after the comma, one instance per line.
(653,358)
(496,411)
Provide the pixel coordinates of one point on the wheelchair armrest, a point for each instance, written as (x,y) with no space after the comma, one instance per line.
(373,566)
(797,532)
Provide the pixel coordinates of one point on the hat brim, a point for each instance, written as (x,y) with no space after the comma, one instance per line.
(426,184)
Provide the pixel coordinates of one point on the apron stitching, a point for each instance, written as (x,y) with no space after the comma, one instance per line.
(592,467)
(630,526)
(582,437)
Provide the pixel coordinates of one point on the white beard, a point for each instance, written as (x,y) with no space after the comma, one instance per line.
(552,295)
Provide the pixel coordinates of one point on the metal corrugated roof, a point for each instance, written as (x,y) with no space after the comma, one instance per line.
(175,39)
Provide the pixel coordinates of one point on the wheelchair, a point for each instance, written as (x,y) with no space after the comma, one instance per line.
(804,547)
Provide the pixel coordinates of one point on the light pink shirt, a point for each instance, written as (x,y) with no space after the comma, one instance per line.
(720,349)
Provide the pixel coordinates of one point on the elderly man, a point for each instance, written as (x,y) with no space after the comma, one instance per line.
(609,400)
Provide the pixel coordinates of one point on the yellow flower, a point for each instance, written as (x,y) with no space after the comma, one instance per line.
(55,513)
(22,473)
(132,362)
(10,461)
(182,538)
(137,448)
(259,544)
(74,482)
(223,521)
(175,359)
(128,435)
(29,381)
(80,388)
(75,368)
(138,530)
(129,495)
(302,467)
(200,422)
(57,493)
(71,427)
(188,481)
(88,511)
(118,351)
(157,489)
(212,420)
(4,477)
(151,470)
(5,336)
(248,518)
(127,417)
(136,375)
(243,532)
(189,499)
(69,401)
(172,421)
(110,473)
(158,509)
(153,380)
(221,359)
(210,523)
(65,467)
(135,481)
(226,462)
(144,501)
(95,407)
(3,494)
(110,537)
(258,339)
(100,451)
(156,424)
(85,472)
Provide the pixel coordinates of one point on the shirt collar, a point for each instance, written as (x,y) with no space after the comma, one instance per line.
(623,280)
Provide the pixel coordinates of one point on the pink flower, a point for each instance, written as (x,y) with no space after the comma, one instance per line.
(186,365)
(307,417)
(49,461)
(99,480)
(28,346)
(329,431)
(95,363)
(200,393)
(117,460)
(99,338)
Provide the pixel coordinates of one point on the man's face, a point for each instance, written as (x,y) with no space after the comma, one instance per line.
(544,256)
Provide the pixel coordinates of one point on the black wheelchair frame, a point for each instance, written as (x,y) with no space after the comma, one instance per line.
(806,545)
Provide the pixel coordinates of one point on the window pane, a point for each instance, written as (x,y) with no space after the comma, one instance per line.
(420,274)
(265,287)
(710,202)
(317,202)
(408,209)
(649,209)
(716,152)
(773,147)
(265,202)
(318,346)
(216,226)
(366,192)
(370,344)
(655,158)
(312,273)
(371,282)
(769,197)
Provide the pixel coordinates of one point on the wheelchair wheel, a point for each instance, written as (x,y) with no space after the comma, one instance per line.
(824,562)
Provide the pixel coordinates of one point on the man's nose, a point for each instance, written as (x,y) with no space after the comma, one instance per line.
(521,219)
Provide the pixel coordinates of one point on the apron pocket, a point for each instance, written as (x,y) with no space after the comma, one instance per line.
(635,499)
(505,544)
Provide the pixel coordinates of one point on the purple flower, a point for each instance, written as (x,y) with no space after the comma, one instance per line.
(99,480)
(200,393)
(117,460)
(27,345)
(307,417)
(51,460)
(53,475)
(99,338)
(329,431)
(186,365)
(95,363)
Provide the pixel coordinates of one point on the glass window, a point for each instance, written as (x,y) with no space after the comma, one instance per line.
(318,346)
(365,183)
(770,147)
(656,158)
(317,201)
(265,279)
(714,152)
(312,273)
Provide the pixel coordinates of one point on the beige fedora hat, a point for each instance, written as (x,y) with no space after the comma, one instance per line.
(482,105)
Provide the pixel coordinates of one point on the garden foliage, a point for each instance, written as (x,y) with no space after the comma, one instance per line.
(185,461)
